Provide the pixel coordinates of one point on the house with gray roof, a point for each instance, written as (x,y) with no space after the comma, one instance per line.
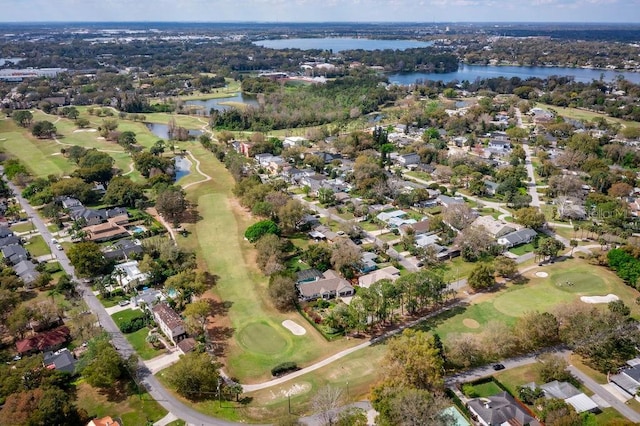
(500,409)
(61,360)
(569,394)
(15,254)
(5,232)
(523,236)
(26,270)
(329,286)
(628,380)
(9,240)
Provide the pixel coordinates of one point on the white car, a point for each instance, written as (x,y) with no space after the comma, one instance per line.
(58,246)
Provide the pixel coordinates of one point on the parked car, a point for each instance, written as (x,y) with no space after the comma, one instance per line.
(498,367)
(58,246)
(123,302)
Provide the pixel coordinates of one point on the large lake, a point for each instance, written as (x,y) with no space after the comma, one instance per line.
(472,72)
(338,44)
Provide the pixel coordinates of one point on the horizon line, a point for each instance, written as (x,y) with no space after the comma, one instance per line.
(315,22)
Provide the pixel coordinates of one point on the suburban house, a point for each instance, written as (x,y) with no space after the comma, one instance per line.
(61,360)
(569,394)
(14,254)
(106,231)
(499,145)
(495,227)
(9,240)
(446,201)
(329,286)
(128,273)
(322,232)
(5,232)
(368,262)
(26,270)
(387,216)
(241,147)
(308,275)
(408,159)
(123,250)
(500,409)
(517,238)
(187,345)
(104,421)
(627,381)
(291,141)
(426,240)
(490,186)
(418,228)
(388,273)
(169,322)
(46,341)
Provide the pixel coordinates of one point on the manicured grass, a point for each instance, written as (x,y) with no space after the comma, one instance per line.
(514,377)
(354,375)
(22,227)
(133,409)
(144,349)
(457,268)
(126,315)
(389,236)
(580,114)
(487,389)
(262,338)
(218,242)
(477,316)
(523,249)
(37,246)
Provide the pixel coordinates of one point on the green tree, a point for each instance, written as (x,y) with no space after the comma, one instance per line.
(259,229)
(95,166)
(43,129)
(505,267)
(101,365)
(73,187)
(530,217)
(282,291)
(122,191)
(22,117)
(87,259)
(195,376)
(481,277)
(318,256)
(197,314)
(172,204)
(553,367)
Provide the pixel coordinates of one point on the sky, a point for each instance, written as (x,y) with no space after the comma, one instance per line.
(321,10)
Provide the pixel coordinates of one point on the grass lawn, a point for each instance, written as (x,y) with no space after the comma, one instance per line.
(523,249)
(368,226)
(218,241)
(142,347)
(133,409)
(22,227)
(518,376)
(37,246)
(539,294)
(457,268)
(487,389)
(580,114)
(389,236)
(353,375)
(126,315)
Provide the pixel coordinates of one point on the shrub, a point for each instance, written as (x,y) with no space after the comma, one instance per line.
(284,368)
(469,391)
(132,325)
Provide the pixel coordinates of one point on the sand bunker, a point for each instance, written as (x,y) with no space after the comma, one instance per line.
(85,130)
(294,328)
(470,323)
(600,299)
(541,274)
(295,389)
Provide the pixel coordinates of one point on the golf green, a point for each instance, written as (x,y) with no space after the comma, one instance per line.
(262,338)
(579,282)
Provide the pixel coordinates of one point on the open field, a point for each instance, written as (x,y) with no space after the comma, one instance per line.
(353,375)
(579,114)
(133,409)
(567,281)
(222,226)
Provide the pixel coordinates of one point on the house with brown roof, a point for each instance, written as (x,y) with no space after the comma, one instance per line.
(104,421)
(169,322)
(329,286)
(51,340)
(109,230)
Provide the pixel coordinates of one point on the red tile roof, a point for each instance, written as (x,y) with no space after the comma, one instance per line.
(44,341)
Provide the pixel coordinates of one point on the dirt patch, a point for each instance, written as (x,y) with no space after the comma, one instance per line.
(295,389)
(541,274)
(470,323)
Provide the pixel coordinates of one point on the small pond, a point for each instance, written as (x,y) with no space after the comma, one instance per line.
(182,167)
(219,103)
(162,130)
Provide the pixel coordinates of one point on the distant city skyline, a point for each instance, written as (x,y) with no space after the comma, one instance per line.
(606,11)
